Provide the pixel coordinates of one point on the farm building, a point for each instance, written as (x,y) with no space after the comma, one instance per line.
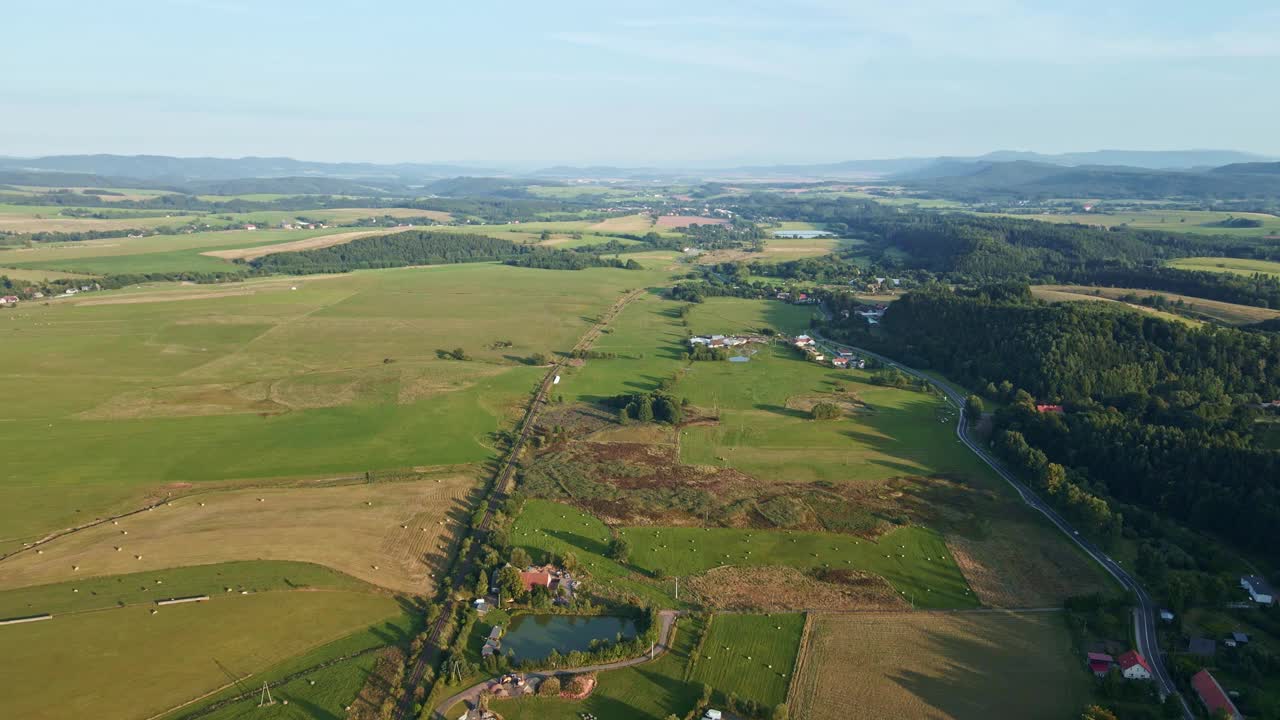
(1049,408)
(1134,667)
(1259,589)
(1100,663)
(840,362)
(1202,646)
(493,643)
(720,341)
(535,578)
(9,300)
(1213,696)
(802,341)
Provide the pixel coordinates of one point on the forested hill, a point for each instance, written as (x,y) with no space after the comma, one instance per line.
(1159,414)
(425,247)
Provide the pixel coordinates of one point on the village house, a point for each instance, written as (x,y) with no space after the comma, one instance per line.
(840,362)
(530,579)
(1133,666)
(1057,409)
(493,643)
(803,341)
(1258,588)
(9,300)
(1213,696)
(1100,663)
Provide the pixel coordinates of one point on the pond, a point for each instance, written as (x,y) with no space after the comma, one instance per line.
(535,636)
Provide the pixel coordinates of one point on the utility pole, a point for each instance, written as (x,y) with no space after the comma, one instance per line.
(677,589)
(265,699)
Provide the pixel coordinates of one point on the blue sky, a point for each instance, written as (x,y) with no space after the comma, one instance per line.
(619,82)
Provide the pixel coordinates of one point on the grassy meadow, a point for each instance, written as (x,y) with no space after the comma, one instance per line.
(143,393)
(1238,266)
(1200,222)
(750,656)
(938,665)
(128,663)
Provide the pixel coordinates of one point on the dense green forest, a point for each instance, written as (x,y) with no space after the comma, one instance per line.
(427,247)
(1160,414)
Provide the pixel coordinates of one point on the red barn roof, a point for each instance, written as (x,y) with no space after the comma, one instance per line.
(1049,408)
(532,579)
(1212,694)
(1131,658)
(1102,657)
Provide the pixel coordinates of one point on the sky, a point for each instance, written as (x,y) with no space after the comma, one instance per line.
(653,83)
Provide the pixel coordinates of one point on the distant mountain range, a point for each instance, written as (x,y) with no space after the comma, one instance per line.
(1101,173)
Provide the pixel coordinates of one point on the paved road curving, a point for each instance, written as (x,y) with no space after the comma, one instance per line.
(667,618)
(1144,616)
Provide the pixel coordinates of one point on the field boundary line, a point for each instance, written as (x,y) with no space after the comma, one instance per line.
(802,652)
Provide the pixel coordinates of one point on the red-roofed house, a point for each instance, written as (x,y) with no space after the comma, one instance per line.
(1049,408)
(1133,666)
(1213,696)
(1100,663)
(532,579)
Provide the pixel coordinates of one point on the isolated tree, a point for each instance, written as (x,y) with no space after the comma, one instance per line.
(482,583)
(538,359)
(509,582)
(973,406)
(644,409)
(520,558)
(620,549)
(825,411)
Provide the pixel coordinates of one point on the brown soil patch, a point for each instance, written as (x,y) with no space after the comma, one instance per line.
(784,589)
(1014,570)
(679,221)
(848,402)
(187,401)
(323,241)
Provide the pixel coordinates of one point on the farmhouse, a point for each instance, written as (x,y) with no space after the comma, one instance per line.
(535,578)
(840,362)
(1048,408)
(9,300)
(803,341)
(1100,663)
(1258,588)
(493,643)
(1134,667)
(719,341)
(1213,696)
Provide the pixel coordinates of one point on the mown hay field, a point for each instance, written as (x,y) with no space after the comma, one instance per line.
(961,666)
(750,656)
(1224,312)
(107,405)
(392,533)
(130,664)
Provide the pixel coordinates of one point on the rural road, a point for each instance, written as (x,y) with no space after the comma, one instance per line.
(1144,616)
(501,482)
(667,618)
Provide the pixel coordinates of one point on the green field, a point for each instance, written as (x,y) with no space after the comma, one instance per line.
(547,527)
(914,560)
(1238,266)
(101,593)
(130,663)
(255,380)
(750,656)
(1200,222)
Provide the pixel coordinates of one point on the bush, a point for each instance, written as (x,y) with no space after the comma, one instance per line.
(825,411)
(549,687)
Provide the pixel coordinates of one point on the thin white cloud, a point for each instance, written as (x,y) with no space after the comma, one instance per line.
(702,55)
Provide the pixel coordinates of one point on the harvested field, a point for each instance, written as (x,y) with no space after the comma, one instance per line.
(679,221)
(39,275)
(1223,312)
(1009,572)
(631,224)
(354,528)
(938,665)
(314,243)
(783,589)
(751,656)
(848,402)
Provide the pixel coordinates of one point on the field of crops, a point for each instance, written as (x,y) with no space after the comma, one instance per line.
(938,665)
